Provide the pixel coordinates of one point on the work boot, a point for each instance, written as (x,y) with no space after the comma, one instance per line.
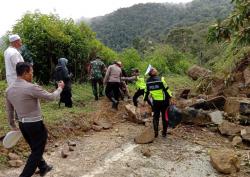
(164,134)
(47,169)
(156,134)
(115,105)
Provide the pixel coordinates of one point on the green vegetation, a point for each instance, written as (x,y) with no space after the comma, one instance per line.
(82,99)
(236,27)
(151,22)
(234,31)
(48,38)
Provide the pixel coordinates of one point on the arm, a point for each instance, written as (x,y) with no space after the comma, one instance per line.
(10,114)
(166,88)
(38,92)
(133,78)
(146,93)
(16,58)
(107,75)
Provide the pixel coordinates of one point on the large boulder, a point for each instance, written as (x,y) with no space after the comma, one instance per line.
(195,116)
(136,115)
(229,129)
(225,161)
(245,134)
(213,103)
(196,72)
(237,105)
(147,136)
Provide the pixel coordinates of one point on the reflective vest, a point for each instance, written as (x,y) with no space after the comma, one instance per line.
(140,83)
(158,89)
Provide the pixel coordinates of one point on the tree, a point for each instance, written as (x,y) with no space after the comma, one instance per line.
(48,38)
(236,27)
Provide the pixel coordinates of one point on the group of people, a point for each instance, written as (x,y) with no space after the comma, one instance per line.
(23,106)
(155,86)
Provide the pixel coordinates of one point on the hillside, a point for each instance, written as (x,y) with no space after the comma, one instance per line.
(153,20)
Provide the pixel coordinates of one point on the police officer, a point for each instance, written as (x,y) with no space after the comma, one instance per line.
(140,85)
(161,95)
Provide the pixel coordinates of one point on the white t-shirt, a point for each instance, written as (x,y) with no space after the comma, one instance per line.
(11,58)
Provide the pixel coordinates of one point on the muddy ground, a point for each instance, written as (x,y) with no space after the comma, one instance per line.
(113,153)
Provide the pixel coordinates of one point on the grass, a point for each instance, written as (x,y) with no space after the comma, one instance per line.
(82,101)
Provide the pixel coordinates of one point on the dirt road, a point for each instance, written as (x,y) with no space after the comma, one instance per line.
(113,153)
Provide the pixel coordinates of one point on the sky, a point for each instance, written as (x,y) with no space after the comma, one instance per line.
(11,11)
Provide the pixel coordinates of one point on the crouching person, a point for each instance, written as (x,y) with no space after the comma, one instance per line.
(23,97)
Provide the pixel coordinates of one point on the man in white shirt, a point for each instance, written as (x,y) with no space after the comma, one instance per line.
(11,57)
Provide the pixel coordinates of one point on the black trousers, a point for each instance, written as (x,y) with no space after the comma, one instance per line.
(138,93)
(94,87)
(65,97)
(36,136)
(160,107)
(112,91)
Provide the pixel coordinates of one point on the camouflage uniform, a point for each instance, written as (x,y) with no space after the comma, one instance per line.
(97,68)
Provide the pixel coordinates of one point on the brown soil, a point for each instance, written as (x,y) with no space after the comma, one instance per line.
(113,153)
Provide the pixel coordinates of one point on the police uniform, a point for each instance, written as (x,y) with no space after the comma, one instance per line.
(140,86)
(158,89)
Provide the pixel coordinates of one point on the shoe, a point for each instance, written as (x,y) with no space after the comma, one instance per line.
(115,105)
(47,169)
(156,134)
(164,134)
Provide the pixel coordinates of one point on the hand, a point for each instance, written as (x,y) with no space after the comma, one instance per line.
(60,84)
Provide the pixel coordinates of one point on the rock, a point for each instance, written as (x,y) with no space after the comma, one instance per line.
(225,161)
(213,103)
(237,105)
(71,148)
(184,93)
(104,124)
(216,117)
(71,143)
(147,136)
(230,129)
(236,140)
(85,126)
(246,74)
(56,145)
(244,120)
(245,134)
(232,91)
(196,72)
(97,128)
(148,124)
(133,114)
(64,154)
(146,152)
(194,116)
(13,156)
(183,103)
(15,163)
